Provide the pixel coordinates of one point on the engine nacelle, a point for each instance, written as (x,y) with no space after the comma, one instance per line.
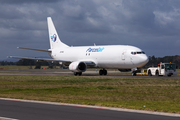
(78,66)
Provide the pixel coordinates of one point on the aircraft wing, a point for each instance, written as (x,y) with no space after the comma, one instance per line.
(88,63)
(39,59)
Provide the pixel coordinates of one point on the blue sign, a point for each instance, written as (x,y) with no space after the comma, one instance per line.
(95,49)
(53,38)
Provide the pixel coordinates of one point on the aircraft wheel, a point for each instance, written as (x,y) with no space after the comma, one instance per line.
(105,72)
(75,73)
(80,73)
(100,72)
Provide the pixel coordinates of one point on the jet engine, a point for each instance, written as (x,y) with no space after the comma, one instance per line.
(78,66)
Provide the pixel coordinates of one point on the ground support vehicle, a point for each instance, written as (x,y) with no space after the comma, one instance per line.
(163,69)
(142,73)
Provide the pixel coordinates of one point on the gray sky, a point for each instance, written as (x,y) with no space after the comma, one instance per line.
(152,25)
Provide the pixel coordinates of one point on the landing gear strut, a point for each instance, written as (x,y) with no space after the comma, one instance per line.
(103,72)
(77,73)
(134,73)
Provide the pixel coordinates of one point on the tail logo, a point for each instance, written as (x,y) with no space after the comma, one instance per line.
(53,38)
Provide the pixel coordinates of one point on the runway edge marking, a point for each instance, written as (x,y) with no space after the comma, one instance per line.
(96,107)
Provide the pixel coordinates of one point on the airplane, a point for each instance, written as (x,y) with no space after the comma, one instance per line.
(121,57)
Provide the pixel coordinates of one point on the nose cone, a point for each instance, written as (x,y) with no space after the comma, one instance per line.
(143,60)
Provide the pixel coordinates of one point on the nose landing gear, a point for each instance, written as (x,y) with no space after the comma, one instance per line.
(103,72)
(134,73)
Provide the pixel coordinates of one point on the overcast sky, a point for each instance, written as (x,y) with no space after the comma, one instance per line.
(152,25)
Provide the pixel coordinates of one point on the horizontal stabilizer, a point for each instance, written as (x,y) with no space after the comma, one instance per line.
(34,49)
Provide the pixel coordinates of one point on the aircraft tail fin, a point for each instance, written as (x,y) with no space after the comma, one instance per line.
(54,39)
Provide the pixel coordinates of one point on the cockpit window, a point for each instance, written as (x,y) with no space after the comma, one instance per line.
(141,52)
(133,53)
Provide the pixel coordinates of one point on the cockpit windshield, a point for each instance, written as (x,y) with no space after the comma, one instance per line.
(139,52)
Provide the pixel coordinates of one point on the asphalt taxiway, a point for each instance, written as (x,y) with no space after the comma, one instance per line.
(34,110)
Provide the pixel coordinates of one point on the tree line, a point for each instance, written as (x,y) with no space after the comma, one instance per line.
(154,61)
(26,62)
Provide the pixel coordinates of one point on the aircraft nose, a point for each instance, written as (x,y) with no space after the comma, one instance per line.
(143,60)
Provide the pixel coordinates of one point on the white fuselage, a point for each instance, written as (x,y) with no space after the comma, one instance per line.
(111,56)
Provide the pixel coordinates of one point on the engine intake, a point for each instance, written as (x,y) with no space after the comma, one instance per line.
(78,66)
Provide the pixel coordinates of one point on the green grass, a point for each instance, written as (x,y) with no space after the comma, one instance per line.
(136,93)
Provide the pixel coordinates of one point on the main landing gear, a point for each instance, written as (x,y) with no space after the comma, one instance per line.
(103,72)
(77,73)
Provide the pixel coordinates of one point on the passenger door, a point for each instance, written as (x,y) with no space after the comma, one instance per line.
(123,57)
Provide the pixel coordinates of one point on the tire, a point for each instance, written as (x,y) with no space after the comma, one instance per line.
(149,73)
(105,72)
(169,75)
(133,73)
(157,73)
(80,73)
(75,73)
(100,72)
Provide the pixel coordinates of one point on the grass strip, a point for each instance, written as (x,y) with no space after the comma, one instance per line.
(155,94)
